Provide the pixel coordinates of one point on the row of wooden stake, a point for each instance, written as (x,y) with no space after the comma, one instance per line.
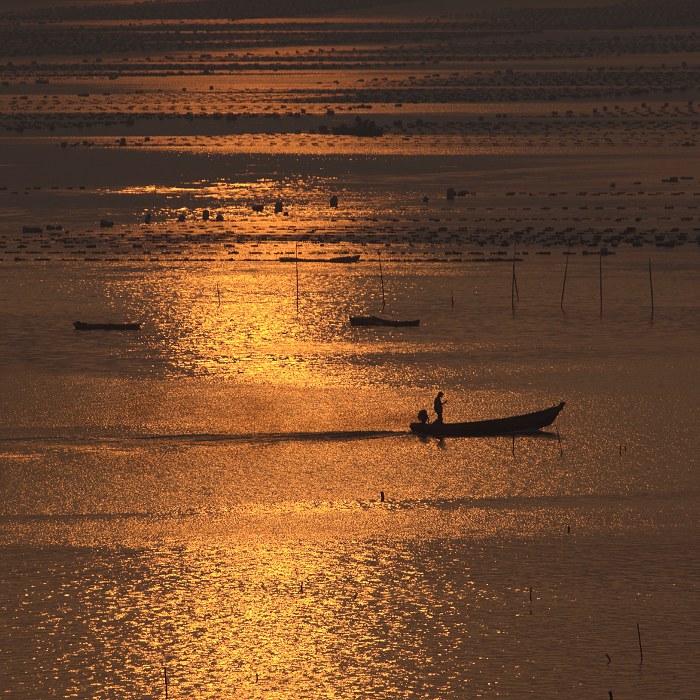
(515,296)
(514,293)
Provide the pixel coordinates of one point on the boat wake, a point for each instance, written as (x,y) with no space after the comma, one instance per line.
(194,438)
(323,436)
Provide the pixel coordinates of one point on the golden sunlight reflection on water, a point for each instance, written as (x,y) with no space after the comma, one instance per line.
(242,320)
(227,503)
(205,495)
(386,618)
(389,145)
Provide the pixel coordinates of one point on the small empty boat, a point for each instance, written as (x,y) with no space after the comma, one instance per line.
(337,259)
(378,321)
(82,326)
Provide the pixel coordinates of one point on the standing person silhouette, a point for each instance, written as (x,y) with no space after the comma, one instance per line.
(437,405)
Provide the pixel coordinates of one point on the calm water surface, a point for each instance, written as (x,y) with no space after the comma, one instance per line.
(204,496)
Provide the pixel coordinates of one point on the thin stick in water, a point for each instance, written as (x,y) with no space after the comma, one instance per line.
(651,289)
(641,651)
(563,286)
(381,277)
(296,268)
(600,281)
(218,293)
(514,295)
(165,680)
(561,449)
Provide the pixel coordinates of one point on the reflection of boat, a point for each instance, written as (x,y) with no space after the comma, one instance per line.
(377,321)
(338,259)
(81,326)
(527,423)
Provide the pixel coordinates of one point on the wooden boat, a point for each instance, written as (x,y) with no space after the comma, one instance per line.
(377,321)
(337,259)
(526,423)
(81,326)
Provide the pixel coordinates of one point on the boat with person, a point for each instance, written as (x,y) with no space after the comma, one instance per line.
(82,326)
(379,321)
(525,423)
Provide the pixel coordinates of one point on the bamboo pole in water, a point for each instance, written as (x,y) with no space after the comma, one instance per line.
(641,652)
(561,449)
(600,281)
(512,285)
(514,296)
(651,289)
(296,269)
(165,680)
(381,277)
(563,286)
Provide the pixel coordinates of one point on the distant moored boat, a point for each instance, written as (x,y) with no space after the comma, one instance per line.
(378,321)
(337,259)
(82,326)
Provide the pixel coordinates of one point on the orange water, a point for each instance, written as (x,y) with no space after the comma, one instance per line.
(204,495)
